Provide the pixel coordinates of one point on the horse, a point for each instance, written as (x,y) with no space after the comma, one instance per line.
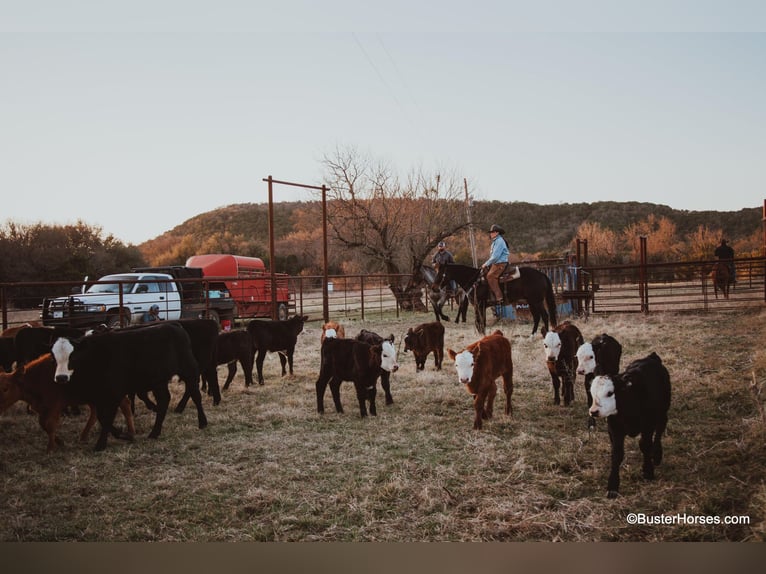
(721,278)
(533,286)
(439,295)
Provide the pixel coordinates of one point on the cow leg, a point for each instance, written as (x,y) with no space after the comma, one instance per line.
(657,444)
(491,393)
(335,390)
(321,386)
(508,388)
(162,394)
(645,444)
(385,384)
(290,353)
(232,368)
(91,421)
(105,411)
(185,398)
(438,358)
(247,366)
(617,439)
(129,421)
(259,364)
(211,376)
(49,419)
(144,399)
(478,407)
(568,389)
(371,391)
(556,383)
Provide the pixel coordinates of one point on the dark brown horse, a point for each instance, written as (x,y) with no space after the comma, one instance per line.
(533,286)
(721,275)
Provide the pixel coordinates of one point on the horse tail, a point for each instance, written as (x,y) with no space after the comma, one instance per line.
(550,299)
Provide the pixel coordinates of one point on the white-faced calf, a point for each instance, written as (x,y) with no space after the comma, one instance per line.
(599,357)
(634,402)
(560,346)
(478,367)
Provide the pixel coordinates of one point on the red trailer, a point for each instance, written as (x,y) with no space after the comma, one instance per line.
(248,281)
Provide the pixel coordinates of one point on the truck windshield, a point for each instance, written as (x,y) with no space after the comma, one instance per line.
(108,287)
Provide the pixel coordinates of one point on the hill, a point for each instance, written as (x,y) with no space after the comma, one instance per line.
(532,228)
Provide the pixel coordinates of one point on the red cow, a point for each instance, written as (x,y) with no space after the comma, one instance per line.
(478,367)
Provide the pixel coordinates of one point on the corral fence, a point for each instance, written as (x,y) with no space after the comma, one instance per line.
(579,290)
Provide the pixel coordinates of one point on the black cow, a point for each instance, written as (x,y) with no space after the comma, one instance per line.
(372,338)
(236,346)
(110,365)
(356,361)
(275,336)
(599,357)
(634,402)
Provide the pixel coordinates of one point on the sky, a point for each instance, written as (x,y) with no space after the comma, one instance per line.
(136,116)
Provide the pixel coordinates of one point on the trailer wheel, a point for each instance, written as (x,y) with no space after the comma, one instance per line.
(282,312)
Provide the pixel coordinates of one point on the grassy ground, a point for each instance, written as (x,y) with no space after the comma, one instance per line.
(269,468)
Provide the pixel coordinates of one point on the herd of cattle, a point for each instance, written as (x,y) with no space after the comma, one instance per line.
(53,369)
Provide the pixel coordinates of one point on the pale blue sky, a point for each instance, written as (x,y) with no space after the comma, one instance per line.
(138,115)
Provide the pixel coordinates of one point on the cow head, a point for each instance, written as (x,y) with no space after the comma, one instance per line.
(464,362)
(62,351)
(552,346)
(586,359)
(411,339)
(604,399)
(388,356)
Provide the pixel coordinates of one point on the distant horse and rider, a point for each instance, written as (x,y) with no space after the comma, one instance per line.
(440,295)
(722,279)
(532,285)
(723,272)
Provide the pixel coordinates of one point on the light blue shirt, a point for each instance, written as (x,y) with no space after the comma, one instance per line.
(498,252)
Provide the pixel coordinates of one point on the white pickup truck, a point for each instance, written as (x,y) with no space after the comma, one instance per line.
(123,298)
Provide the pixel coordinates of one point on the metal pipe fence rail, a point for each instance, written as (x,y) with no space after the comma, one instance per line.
(652,287)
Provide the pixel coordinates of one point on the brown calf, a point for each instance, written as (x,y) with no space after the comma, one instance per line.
(478,366)
(423,339)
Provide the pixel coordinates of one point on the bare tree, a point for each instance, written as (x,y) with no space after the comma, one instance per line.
(392,224)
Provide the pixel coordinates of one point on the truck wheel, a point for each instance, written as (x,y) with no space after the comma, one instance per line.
(282,312)
(113,321)
(214,315)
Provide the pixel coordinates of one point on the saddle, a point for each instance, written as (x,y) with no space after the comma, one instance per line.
(509,273)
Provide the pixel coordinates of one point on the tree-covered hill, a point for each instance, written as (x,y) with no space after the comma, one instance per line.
(533,229)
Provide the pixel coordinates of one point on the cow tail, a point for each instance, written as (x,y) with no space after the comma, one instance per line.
(551,301)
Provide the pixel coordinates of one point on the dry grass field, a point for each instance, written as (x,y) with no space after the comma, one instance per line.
(269,468)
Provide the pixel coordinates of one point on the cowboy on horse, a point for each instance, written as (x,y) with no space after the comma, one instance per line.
(497,262)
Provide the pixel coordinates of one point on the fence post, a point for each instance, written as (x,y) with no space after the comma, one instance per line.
(643,287)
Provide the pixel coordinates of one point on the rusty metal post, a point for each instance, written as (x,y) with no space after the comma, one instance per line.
(325,278)
(274,314)
(643,281)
